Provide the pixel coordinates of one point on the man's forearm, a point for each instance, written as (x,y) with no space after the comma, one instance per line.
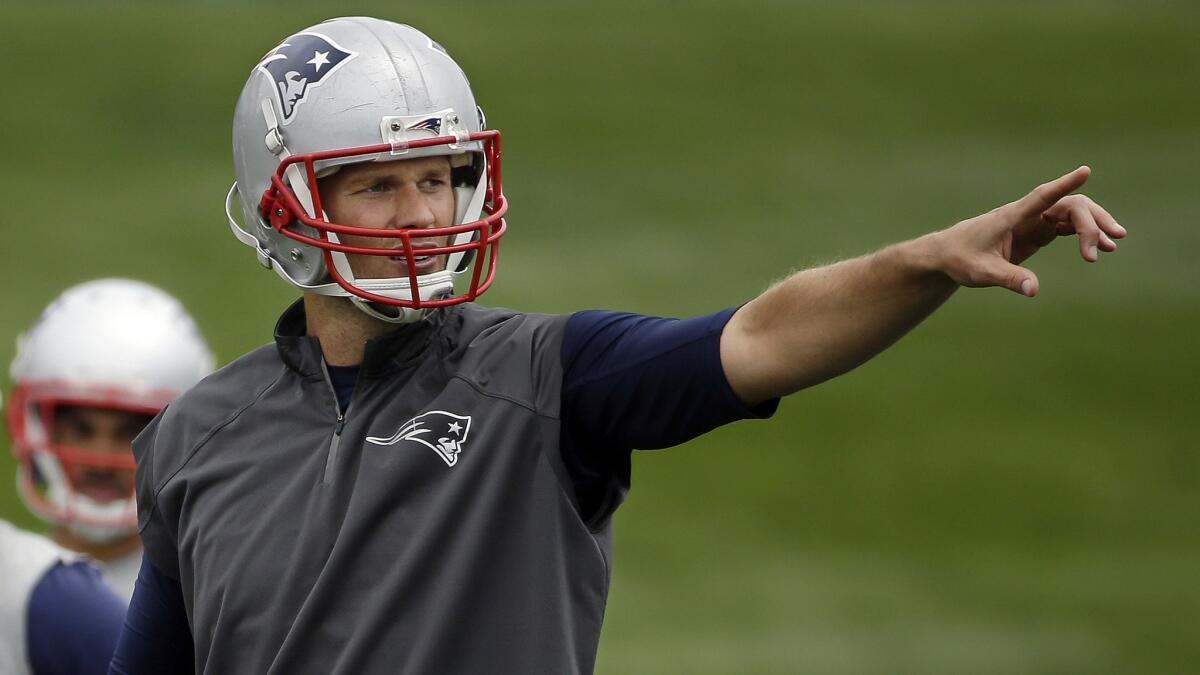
(822,322)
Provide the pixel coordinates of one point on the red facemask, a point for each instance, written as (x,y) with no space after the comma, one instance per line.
(282,208)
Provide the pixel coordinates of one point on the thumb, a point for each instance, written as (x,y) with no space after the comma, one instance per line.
(1013,277)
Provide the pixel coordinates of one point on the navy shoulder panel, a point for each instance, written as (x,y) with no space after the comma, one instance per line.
(74,621)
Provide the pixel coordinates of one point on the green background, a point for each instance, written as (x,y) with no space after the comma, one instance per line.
(1011,489)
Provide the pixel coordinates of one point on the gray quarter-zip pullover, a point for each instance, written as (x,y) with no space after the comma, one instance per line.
(454,519)
(445,545)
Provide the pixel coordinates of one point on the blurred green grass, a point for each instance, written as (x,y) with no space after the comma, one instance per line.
(1012,489)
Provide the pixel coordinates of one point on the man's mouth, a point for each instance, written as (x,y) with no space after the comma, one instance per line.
(423,263)
(416,258)
(103,486)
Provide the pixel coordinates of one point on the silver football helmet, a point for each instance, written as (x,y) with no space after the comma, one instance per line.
(353,90)
(113,345)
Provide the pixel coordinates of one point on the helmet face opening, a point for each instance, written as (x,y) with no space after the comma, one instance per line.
(470,246)
(83,477)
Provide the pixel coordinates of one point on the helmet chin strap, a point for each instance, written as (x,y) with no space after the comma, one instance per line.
(429,287)
(402,314)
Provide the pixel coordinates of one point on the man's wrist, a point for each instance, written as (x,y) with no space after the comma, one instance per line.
(924,256)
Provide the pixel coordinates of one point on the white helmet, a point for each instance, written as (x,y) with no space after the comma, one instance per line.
(355,90)
(112,344)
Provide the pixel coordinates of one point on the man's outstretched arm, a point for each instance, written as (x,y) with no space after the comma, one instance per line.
(822,322)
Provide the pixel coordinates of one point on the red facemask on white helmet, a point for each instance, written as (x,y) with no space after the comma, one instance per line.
(109,345)
(357,90)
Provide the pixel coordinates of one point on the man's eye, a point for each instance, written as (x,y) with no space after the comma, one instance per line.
(381,186)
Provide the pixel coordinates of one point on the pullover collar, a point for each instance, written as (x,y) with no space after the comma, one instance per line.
(388,353)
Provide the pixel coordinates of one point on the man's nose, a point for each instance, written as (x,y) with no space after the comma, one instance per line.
(109,444)
(412,211)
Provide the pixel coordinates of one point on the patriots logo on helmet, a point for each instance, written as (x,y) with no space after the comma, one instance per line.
(433,124)
(300,63)
(440,431)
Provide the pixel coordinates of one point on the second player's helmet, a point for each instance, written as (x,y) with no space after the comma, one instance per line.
(112,345)
(355,90)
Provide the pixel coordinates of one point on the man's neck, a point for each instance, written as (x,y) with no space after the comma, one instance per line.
(342,330)
(106,552)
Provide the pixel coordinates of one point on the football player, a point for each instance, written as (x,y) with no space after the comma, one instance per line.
(407,482)
(56,613)
(99,363)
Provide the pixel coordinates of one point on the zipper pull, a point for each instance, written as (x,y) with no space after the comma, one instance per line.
(341,422)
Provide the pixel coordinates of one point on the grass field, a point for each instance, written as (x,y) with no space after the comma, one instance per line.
(1014,488)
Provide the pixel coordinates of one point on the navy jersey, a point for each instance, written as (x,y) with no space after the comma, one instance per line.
(56,613)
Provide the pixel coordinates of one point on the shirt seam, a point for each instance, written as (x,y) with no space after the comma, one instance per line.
(212,432)
(517,402)
(563,489)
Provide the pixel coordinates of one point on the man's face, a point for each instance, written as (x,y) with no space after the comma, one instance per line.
(397,195)
(103,439)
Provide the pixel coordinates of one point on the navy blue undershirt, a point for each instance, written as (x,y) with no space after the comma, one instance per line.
(73,621)
(638,382)
(156,638)
(629,381)
(343,379)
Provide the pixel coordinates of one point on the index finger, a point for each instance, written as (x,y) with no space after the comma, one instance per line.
(1047,194)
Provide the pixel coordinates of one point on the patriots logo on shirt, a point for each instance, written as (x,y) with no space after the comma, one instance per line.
(440,431)
(299,64)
